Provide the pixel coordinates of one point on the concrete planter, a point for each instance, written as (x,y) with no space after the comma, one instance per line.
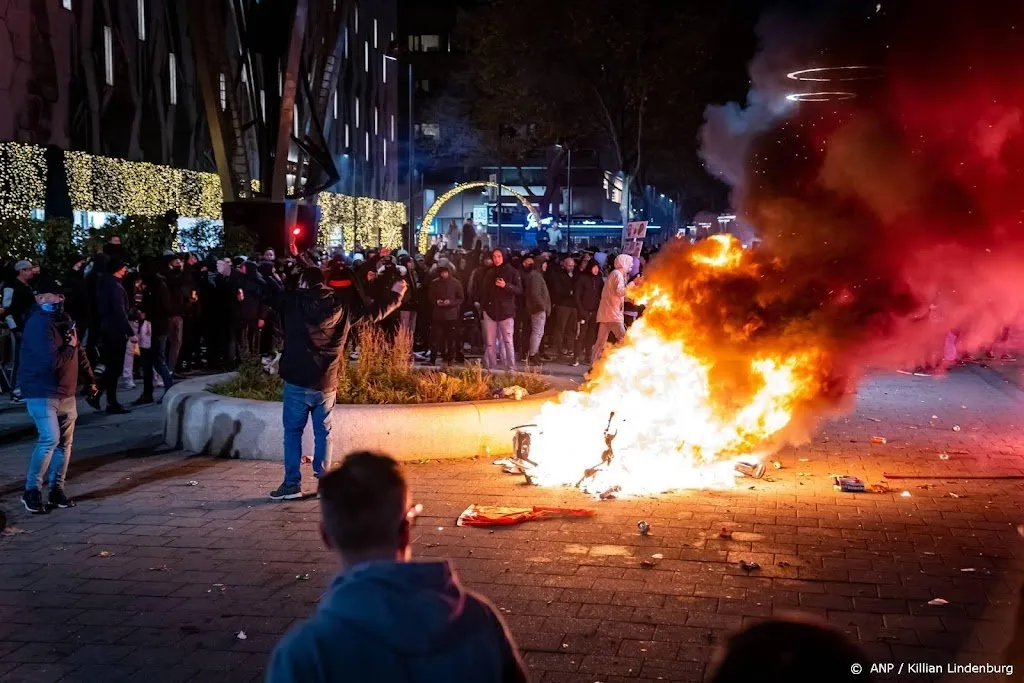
(202,422)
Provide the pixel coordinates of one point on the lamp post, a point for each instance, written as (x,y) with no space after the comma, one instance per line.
(568,182)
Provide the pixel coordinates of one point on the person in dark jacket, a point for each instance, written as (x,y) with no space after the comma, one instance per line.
(538,306)
(447,295)
(115,328)
(562,332)
(587,295)
(252,309)
(384,618)
(500,285)
(51,364)
(155,309)
(16,304)
(316,325)
(179,301)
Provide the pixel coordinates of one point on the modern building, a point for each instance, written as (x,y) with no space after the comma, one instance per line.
(124,79)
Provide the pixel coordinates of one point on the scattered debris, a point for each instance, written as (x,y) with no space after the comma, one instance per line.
(879,440)
(935,417)
(848,484)
(956,428)
(982,477)
(752,470)
(161,568)
(880,488)
(938,602)
(727,532)
(306,459)
(956,495)
(241,635)
(804,459)
(610,494)
(926,486)
(643,527)
(103,553)
(967,569)
(804,474)
(658,556)
(875,419)
(192,483)
(749,566)
(648,564)
(302,577)
(783,563)
(905,494)
(495,515)
(943,456)
(515,392)
(776,464)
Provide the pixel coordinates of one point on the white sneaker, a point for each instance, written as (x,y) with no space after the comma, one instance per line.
(126,383)
(100,368)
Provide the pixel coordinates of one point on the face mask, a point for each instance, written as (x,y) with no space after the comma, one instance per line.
(53,308)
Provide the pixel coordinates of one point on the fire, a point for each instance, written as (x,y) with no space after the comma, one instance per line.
(669,408)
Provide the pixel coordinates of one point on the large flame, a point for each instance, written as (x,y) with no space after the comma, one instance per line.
(681,409)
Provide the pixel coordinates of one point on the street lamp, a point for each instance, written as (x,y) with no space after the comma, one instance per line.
(568,178)
(392,54)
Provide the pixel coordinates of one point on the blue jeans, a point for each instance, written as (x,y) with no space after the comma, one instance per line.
(500,333)
(55,421)
(299,404)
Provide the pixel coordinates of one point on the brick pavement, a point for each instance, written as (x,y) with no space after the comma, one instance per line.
(150,579)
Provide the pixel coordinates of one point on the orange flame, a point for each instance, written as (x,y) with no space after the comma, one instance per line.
(682,410)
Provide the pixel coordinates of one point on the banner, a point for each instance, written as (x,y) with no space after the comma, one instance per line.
(633,235)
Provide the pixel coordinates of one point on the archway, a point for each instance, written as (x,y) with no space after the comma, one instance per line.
(432,212)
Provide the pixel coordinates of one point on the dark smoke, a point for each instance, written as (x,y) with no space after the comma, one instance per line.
(888,219)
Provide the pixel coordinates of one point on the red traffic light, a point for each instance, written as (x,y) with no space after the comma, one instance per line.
(296,231)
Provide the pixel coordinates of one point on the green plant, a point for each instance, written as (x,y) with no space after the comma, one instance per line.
(143,237)
(52,244)
(385,374)
(200,237)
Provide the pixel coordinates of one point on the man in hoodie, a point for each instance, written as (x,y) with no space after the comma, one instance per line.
(316,323)
(385,618)
(500,285)
(115,328)
(538,306)
(562,282)
(610,318)
(446,294)
(51,365)
(15,307)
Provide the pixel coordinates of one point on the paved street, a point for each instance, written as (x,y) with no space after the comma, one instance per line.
(152,579)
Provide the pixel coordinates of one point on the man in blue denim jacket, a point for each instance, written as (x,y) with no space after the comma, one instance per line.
(316,322)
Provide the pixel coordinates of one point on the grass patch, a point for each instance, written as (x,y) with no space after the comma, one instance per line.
(386,374)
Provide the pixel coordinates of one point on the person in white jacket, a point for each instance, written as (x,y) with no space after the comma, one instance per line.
(610,313)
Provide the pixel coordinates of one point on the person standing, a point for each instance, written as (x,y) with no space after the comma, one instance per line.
(155,309)
(16,304)
(316,323)
(587,295)
(52,364)
(538,306)
(500,286)
(384,617)
(447,296)
(562,280)
(116,330)
(610,318)
(179,299)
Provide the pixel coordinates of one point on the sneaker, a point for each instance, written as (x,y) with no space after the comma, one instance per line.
(33,502)
(143,400)
(127,384)
(58,499)
(117,409)
(286,492)
(100,368)
(17,400)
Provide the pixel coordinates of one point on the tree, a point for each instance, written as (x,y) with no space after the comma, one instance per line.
(617,75)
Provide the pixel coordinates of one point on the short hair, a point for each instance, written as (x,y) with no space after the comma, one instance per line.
(363,502)
(792,650)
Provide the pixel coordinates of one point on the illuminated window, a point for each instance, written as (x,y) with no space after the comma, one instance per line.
(335,104)
(108,55)
(223,92)
(366,56)
(358,107)
(384,69)
(295,120)
(367,145)
(356,6)
(385,155)
(172,76)
(376,121)
(374,33)
(348,140)
(345,29)
(263,103)
(392,128)
(66,4)
(140,6)
(428,130)
(429,43)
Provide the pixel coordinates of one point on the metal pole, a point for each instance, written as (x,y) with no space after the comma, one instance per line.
(498,237)
(568,219)
(412,158)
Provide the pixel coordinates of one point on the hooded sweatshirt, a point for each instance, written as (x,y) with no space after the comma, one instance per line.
(613,297)
(398,623)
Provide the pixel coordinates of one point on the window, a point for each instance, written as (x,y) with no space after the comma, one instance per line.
(384,69)
(392,128)
(367,145)
(295,120)
(375,33)
(366,56)
(223,92)
(423,85)
(348,139)
(263,103)
(140,6)
(376,121)
(66,4)
(335,104)
(385,155)
(425,43)
(108,55)
(172,76)
(345,30)
(357,16)
(357,112)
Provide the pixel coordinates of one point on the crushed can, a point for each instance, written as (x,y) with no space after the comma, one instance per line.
(521,444)
(643,527)
(848,484)
(752,470)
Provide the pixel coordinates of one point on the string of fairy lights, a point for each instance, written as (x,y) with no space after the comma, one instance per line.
(132,188)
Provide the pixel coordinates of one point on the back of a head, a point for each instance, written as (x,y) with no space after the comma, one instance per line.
(312,276)
(363,504)
(791,651)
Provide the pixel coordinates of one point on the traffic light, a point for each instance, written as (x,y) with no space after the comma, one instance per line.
(302,230)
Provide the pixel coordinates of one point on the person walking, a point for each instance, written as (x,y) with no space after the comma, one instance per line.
(51,365)
(447,295)
(116,330)
(610,317)
(316,323)
(500,285)
(538,306)
(385,618)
